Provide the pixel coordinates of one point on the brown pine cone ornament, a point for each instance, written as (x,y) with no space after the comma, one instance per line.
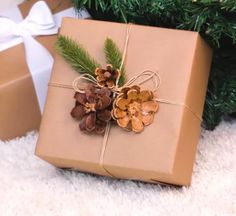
(107,77)
(93,108)
(134,109)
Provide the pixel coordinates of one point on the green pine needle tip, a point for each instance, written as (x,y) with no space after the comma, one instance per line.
(114,57)
(76,55)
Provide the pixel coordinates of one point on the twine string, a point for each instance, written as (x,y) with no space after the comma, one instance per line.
(107,130)
(104,145)
(150,75)
(126,46)
(77,83)
(124,52)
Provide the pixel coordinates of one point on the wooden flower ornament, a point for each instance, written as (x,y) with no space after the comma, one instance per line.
(93,108)
(107,77)
(133,109)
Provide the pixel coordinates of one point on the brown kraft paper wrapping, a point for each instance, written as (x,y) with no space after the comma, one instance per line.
(165,150)
(19,110)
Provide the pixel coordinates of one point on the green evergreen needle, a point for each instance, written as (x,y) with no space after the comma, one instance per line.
(76,55)
(114,57)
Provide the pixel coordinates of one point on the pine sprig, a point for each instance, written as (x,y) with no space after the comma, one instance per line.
(114,57)
(76,55)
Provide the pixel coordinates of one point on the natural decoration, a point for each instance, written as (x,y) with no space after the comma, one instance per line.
(104,98)
(82,62)
(76,55)
(214,20)
(114,57)
(93,108)
(134,109)
(107,77)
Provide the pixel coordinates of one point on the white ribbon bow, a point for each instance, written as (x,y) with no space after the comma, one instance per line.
(39,21)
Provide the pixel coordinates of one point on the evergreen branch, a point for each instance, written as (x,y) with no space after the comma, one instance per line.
(214,19)
(221,93)
(114,57)
(76,55)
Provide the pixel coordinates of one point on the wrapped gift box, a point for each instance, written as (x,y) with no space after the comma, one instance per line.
(19,110)
(165,150)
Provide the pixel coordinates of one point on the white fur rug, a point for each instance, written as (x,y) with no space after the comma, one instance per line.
(30,186)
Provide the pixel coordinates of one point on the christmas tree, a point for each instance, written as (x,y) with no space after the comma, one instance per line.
(215,20)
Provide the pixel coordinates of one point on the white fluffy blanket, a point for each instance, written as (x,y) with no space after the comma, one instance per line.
(30,186)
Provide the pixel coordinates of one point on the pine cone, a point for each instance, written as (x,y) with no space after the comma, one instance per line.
(107,77)
(93,108)
(133,109)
